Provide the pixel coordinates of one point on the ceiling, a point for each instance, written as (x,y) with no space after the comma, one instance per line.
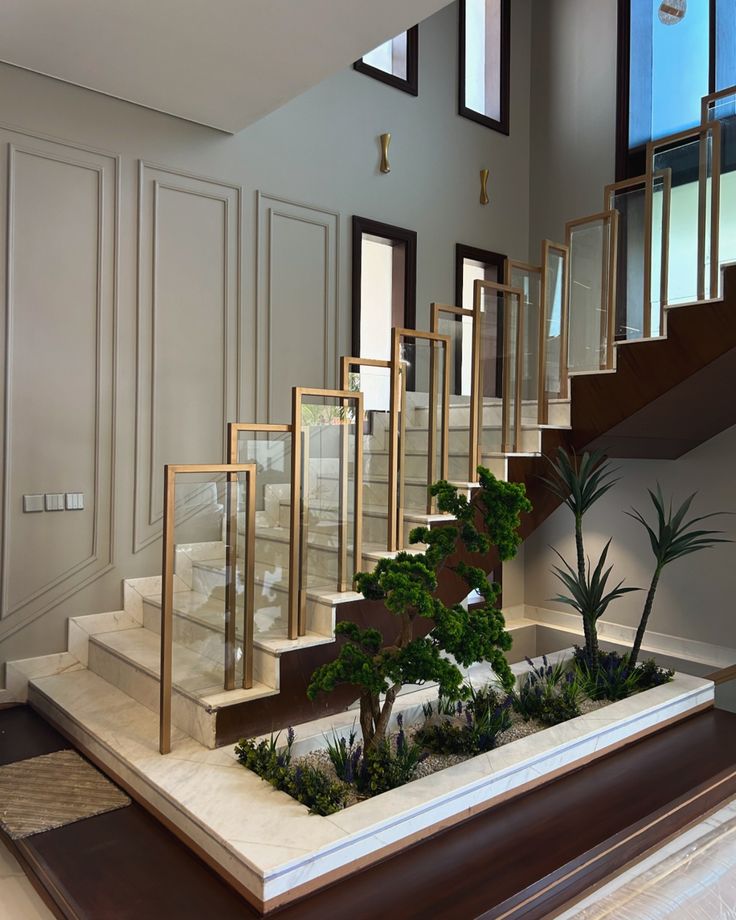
(222,63)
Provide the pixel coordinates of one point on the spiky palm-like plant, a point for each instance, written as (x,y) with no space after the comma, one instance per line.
(671,538)
(579,484)
(589,597)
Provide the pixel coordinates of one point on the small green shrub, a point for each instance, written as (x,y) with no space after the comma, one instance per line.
(614,678)
(549,693)
(383,767)
(469,730)
(649,674)
(303,782)
(345,755)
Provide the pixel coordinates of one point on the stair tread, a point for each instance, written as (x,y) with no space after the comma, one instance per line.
(193,674)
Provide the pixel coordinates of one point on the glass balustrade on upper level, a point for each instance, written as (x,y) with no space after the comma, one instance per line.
(553,384)
(528,279)
(721,108)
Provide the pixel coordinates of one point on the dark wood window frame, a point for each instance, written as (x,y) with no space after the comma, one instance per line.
(503,124)
(631,162)
(411,83)
(365,225)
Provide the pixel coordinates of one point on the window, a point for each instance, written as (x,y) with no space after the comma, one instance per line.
(671,54)
(485,55)
(471,264)
(384,285)
(395,62)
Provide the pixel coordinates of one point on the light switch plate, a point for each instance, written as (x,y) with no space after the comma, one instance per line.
(75,501)
(54,501)
(33,502)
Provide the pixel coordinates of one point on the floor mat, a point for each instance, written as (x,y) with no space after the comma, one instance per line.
(53,790)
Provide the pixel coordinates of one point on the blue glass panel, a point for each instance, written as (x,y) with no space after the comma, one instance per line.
(669,70)
(725,44)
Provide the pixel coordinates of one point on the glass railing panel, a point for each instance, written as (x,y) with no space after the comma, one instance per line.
(500,320)
(327,462)
(372,378)
(206,634)
(268,447)
(640,269)
(722,108)
(419,432)
(592,247)
(457,325)
(528,279)
(553,363)
(692,163)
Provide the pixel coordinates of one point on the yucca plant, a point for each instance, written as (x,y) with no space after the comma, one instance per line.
(589,597)
(579,484)
(672,537)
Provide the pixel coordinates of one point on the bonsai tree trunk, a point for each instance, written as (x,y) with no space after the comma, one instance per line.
(633,658)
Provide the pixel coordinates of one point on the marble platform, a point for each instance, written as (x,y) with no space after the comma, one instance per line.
(264,842)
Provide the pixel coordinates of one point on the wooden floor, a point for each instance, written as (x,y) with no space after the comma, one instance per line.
(521,859)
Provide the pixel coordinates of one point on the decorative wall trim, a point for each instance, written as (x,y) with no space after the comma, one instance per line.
(107,169)
(269,207)
(152,180)
(717,656)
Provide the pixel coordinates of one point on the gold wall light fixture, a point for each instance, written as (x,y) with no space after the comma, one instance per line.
(385,166)
(484,199)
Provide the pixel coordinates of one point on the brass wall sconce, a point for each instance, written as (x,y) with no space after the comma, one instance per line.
(484,199)
(385,166)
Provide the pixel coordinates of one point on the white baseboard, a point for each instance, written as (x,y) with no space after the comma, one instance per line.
(716,656)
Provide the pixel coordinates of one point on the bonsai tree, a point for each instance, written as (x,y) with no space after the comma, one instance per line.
(579,485)
(407,585)
(672,537)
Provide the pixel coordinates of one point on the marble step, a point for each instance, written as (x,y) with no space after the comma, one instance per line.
(131,659)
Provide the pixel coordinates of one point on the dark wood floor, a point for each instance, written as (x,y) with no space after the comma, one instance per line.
(520,859)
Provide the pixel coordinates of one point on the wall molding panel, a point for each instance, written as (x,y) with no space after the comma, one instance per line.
(188,329)
(297,284)
(59,345)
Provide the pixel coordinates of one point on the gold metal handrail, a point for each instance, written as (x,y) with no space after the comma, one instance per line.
(231,472)
(298,536)
(396,471)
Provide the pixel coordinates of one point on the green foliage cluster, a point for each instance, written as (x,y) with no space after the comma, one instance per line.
(387,766)
(549,693)
(470,729)
(407,586)
(303,782)
(614,678)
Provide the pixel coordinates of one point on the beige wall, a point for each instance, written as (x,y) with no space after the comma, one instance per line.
(695,598)
(163,278)
(573,114)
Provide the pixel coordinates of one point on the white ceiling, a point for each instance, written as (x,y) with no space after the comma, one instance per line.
(223,63)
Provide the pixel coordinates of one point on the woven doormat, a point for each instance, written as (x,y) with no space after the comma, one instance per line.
(50,791)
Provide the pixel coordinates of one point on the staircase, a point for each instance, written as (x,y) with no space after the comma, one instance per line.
(336,481)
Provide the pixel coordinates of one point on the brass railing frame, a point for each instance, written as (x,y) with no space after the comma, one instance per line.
(395,473)
(701,132)
(506,290)
(435,310)
(547,247)
(527,268)
(231,471)
(608,278)
(298,538)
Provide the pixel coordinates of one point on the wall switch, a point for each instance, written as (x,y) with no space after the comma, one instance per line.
(54,501)
(75,501)
(33,503)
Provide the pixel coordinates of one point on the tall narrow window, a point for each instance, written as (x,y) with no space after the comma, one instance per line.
(395,62)
(384,285)
(671,54)
(485,56)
